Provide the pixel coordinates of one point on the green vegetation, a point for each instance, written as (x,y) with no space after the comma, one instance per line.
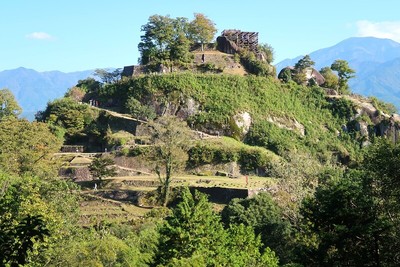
(27,148)
(8,104)
(387,108)
(344,72)
(201,30)
(317,197)
(102,167)
(331,80)
(167,41)
(197,237)
(170,138)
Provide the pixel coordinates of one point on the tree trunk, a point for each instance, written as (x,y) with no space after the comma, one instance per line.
(168,169)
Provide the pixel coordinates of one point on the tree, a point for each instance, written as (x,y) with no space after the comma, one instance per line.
(304,63)
(299,77)
(76,93)
(89,85)
(194,236)
(8,105)
(266,218)
(285,75)
(28,148)
(193,230)
(16,242)
(331,79)
(170,139)
(108,76)
(268,52)
(165,41)
(350,223)
(180,45)
(202,29)
(344,72)
(36,218)
(155,43)
(75,118)
(139,110)
(299,74)
(102,167)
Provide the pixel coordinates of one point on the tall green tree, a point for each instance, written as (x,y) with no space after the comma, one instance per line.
(165,41)
(170,139)
(266,218)
(36,218)
(299,73)
(344,72)
(202,29)
(27,148)
(155,43)
(102,167)
(193,231)
(351,224)
(180,45)
(8,104)
(194,236)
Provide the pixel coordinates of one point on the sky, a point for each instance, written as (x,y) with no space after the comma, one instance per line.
(75,35)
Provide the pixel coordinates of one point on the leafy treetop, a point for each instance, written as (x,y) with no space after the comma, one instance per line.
(202,29)
(8,104)
(304,63)
(167,40)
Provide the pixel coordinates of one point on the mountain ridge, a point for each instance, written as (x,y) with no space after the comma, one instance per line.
(374,60)
(34,89)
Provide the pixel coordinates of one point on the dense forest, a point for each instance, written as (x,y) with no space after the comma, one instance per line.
(319,173)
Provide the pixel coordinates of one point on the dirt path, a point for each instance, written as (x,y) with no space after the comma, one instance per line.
(120,115)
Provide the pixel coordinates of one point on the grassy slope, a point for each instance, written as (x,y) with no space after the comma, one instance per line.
(220,97)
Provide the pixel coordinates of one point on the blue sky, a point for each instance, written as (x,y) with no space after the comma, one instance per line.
(72,35)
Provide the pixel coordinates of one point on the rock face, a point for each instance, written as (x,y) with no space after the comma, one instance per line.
(368,121)
(243,122)
(288,124)
(189,108)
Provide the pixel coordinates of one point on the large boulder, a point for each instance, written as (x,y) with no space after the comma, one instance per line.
(243,121)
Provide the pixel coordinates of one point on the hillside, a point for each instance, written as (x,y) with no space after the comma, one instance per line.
(259,111)
(34,89)
(374,60)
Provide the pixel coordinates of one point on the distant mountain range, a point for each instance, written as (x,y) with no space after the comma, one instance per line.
(34,89)
(376,62)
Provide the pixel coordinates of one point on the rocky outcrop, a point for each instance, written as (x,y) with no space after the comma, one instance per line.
(243,121)
(226,46)
(368,121)
(290,124)
(311,75)
(189,107)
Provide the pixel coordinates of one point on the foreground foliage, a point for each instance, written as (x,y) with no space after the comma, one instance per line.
(194,235)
